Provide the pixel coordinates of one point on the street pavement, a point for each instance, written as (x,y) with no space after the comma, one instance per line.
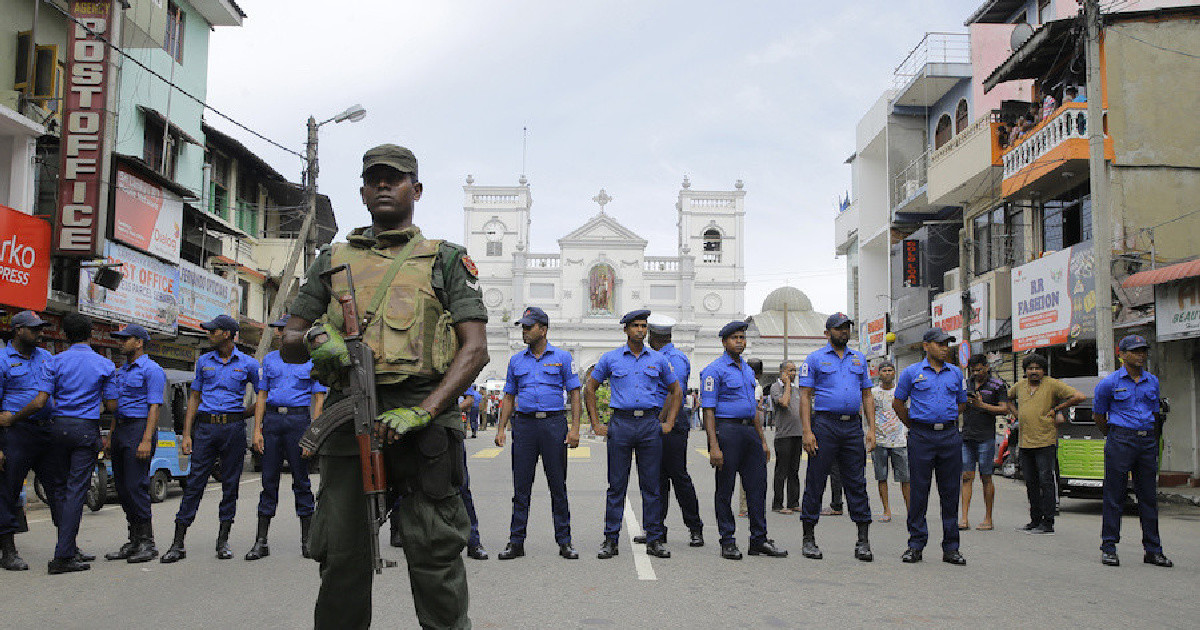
(1011,579)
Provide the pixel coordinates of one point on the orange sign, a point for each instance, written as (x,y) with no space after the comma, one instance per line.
(24,260)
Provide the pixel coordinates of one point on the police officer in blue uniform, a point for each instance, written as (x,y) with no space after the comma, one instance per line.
(215,428)
(470,403)
(26,445)
(76,379)
(641,413)
(674,457)
(835,395)
(287,395)
(1124,407)
(135,396)
(534,385)
(929,397)
(736,444)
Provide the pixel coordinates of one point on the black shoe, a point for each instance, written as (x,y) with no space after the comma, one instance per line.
(862,551)
(84,557)
(911,556)
(476,552)
(125,549)
(222,547)
(260,549)
(608,549)
(640,539)
(397,539)
(1045,529)
(512,550)
(10,560)
(145,551)
(729,551)
(1158,560)
(1110,559)
(658,549)
(472,434)
(176,552)
(811,550)
(697,539)
(953,557)
(1027,527)
(767,548)
(305,527)
(567,551)
(58,566)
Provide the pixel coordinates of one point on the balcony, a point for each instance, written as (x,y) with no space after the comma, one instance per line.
(845,229)
(908,191)
(965,168)
(668,264)
(932,69)
(543,261)
(1054,149)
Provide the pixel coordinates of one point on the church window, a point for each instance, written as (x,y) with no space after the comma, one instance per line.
(495,248)
(712,246)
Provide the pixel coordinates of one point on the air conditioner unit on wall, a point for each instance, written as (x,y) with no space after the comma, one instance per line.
(950,280)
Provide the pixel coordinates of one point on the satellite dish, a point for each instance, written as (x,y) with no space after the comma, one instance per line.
(1020,35)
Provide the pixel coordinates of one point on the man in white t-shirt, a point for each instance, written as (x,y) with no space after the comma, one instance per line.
(891,439)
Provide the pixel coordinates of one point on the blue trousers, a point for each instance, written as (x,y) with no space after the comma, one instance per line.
(76,444)
(28,445)
(933,454)
(210,442)
(674,472)
(281,441)
(473,419)
(744,456)
(130,474)
(544,438)
(1127,452)
(839,442)
(469,503)
(628,435)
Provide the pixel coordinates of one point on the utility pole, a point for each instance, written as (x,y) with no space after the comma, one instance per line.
(1098,178)
(785,331)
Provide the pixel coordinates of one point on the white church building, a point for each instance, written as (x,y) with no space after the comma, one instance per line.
(601,271)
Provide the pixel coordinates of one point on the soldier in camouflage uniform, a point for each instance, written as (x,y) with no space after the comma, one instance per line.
(429,343)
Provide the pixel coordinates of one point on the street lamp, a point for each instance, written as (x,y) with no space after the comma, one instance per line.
(354,113)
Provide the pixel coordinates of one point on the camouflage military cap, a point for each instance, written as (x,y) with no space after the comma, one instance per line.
(391,155)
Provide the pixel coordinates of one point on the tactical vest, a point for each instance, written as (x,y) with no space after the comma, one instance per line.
(412,332)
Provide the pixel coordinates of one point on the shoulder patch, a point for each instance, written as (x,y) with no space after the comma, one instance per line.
(470,266)
(709,383)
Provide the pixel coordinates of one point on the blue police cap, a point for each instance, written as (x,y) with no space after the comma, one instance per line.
(635,315)
(533,315)
(835,320)
(937,335)
(1133,342)
(732,327)
(27,319)
(222,322)
(281,322)
(132,330)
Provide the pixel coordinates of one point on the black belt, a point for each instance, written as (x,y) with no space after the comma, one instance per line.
(1137,432)
(638,413)
(539,415)
(935,426)
(843,417)
(220,418)
(128,420)
(746,421)
(284,410)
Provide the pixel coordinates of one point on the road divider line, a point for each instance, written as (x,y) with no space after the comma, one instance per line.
(581,452)
(487,453)
(641,561)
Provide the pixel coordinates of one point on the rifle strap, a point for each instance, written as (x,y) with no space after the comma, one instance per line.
(382,289)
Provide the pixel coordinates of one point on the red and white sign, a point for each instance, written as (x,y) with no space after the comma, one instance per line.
(147,216)
(24,260)
(946,312)
(80,217)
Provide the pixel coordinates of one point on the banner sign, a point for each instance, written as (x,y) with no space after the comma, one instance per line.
(1177,309)
(911,257)
(873,337)
(204,295)
(24,260)
(1054,299)
(80,219)
(946,313)
(147,216)
(148,295)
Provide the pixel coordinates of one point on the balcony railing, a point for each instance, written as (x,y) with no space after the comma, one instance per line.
(543,261)
(660,263)
(494,199)
(1069,122)
(933,48)
(908,182)
(986,124)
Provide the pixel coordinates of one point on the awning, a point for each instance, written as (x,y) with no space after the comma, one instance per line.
(1036,57)
(1178,271)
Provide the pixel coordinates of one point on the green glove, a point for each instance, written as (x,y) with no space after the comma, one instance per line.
(404,419)
(331,358)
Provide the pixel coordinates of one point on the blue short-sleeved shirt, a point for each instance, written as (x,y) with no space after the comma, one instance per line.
(76,379)
(539,382)
(1127,404)
(136,386)
(838,382)
(727,387)
(634,380)
(19,379)
(475,396)
(222,386)
(288,384)
(932,396)
(680,364)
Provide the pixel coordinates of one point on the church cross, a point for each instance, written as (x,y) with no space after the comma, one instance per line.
(603,198)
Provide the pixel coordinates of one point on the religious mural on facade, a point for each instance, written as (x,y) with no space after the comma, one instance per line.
(601,299)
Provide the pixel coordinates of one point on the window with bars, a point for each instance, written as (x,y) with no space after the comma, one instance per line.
(495,248)
(1067,220)
(160,157)
(998,238)
(173,41)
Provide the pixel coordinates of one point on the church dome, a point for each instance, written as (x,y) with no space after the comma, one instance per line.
(794,298)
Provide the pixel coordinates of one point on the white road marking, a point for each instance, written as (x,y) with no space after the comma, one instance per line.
(641,561)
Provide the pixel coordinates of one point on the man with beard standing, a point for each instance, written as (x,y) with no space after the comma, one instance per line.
(789,440)
(985,400)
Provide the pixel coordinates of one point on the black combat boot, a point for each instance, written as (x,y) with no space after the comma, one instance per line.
(260,549)
(862,548)
(809,549)
(145,551)
(223,550)
(126,549)
(10,560)
(305,528)
(176,552)
(397,538)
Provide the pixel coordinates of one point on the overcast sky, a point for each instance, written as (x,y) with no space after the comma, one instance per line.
(628,95)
